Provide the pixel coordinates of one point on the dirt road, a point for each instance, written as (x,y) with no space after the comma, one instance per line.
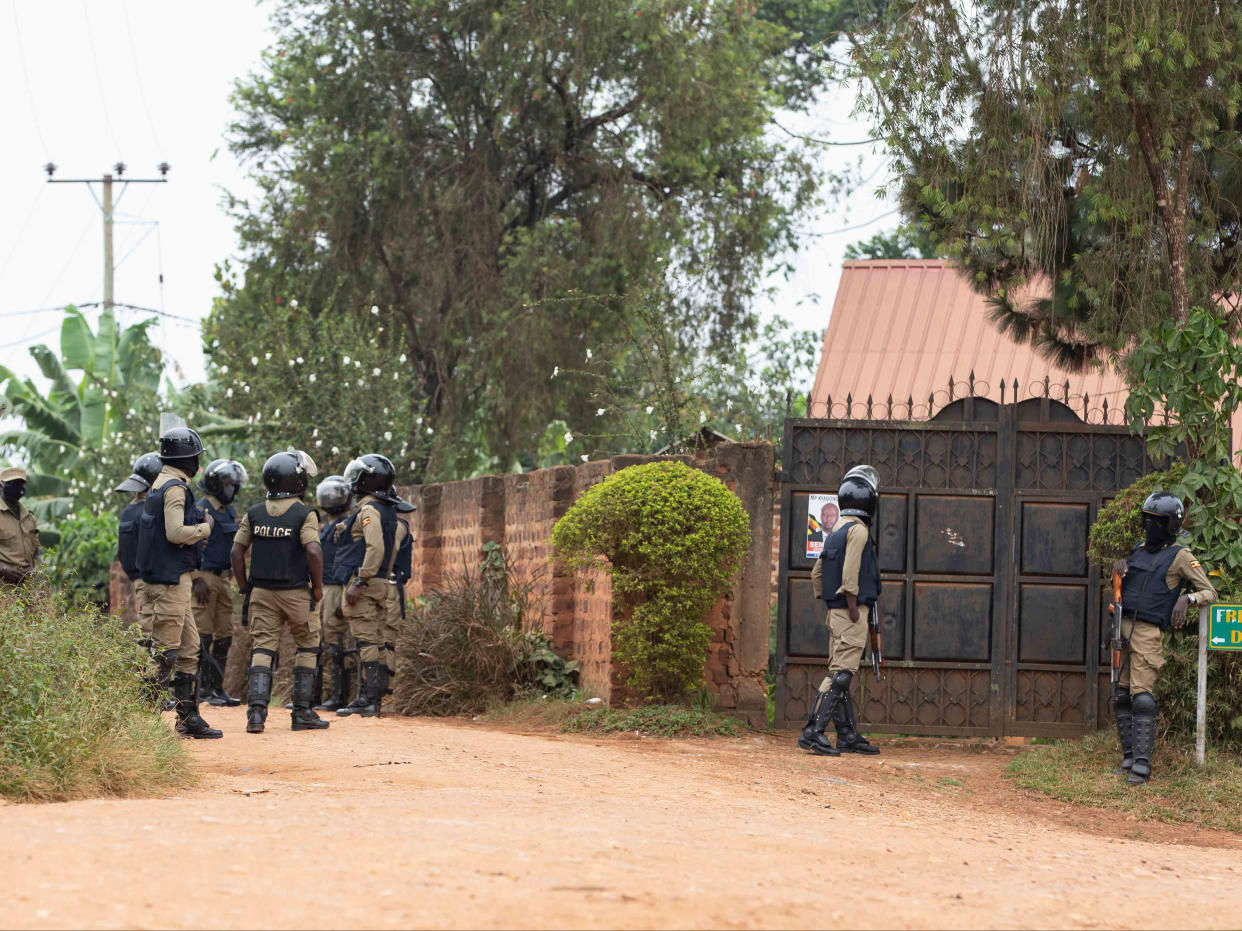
(402,822)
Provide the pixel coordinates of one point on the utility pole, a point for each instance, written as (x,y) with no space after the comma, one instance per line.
(106,206)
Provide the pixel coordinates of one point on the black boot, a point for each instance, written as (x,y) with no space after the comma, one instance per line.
(337,661)
(812,737)
(258,694)
(160,683)
(206,683)
(1125,728)
(848,738)
(220,658)
(1146,713)
(317,684)
(371,694)
(360,700)
(189,723)
(304,718)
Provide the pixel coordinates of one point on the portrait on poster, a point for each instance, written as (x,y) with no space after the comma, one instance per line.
(821,516)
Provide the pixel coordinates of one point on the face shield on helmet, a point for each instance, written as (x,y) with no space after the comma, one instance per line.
(370,474)
(305,462)
(223,478)
(866,474)
(334,494)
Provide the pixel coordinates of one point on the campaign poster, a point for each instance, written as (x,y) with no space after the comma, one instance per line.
(821,516)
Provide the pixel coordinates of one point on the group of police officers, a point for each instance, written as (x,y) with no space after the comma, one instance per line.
(340,584)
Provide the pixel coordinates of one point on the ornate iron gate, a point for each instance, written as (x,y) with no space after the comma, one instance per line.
(991,614)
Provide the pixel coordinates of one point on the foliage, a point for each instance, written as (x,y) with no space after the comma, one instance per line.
(1088,150)
(672,539)
(1081,772)
(80,564)
(430,173)
(464,648)
(908,241)
(1118,526)
(654,721)
(75,721)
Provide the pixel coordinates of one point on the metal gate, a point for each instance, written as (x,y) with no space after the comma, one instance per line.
(991,614)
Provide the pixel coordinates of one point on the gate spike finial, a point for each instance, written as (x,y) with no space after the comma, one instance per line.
(910,407)
(1086,407)
(931,404)
(972,383)
(1067,389)
(950,389)
(1015,391)
(869,407)
(889,416)
(1047,387)
(849,405)
(1002,392)
(1106,410)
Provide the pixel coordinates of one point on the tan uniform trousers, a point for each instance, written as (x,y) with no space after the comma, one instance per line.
(272,609)
(334,627)
(215,618)
(1141,666)
(142,607)
(368,618)
(392,623)
(172,622)
(848,639)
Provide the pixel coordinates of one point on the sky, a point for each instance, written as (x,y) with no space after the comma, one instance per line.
(89,83)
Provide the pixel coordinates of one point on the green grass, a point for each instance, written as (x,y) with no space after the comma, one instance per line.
(74,722)
(654,721)
(1081,772)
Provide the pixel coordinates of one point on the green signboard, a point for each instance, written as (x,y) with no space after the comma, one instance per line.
(1225,628)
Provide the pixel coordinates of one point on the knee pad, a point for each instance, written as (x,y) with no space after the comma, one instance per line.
(1121,699)
(1145,703)
(841,680)
(271,654)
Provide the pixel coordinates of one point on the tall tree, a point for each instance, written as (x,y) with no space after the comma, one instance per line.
(435,170)
(1090,147)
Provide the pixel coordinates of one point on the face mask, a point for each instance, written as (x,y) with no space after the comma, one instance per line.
(14,491)
(1157,535)
(228,491)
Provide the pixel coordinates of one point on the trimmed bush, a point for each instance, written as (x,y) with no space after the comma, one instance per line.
(74,719)
(672,539)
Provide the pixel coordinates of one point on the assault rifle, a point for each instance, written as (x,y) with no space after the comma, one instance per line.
(877,641)
(1116,646)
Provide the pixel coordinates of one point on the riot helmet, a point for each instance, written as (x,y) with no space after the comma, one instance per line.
(1162,517)
(222,478)
(146,469)
(371,474)
(286,474)
(180,443)
(334,494)
(859,493)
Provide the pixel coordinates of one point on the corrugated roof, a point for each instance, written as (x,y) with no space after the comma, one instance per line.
(906,326)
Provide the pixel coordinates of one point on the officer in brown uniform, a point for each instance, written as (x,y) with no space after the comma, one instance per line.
(213,593)
(285,581)
(19,533)
(146,469)
(169,533)
(847,577)
(336,500)
(375,536)
(1152,599)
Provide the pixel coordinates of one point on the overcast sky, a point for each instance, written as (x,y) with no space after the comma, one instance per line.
(88,83)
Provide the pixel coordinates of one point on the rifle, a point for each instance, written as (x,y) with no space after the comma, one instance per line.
(246,609)
(1117,646)
(877,641)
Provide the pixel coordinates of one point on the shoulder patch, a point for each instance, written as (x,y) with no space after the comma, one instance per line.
(366,520)
(1194,564)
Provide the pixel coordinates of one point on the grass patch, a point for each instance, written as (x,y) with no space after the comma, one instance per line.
(74,719)
(1081,772)
(654,721)
(535,711)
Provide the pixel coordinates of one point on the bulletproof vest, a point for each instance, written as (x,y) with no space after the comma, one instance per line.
(388,526)
(216,552)
(1145,591)
(277,557)
(159,561)
(833,557)
(404,564)
(127,538)
(336,571)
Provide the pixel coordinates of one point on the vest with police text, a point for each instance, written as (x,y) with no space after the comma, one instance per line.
(1145,591)
(216,552)
(159,561)
(833,557)
(277,557)
(127,538)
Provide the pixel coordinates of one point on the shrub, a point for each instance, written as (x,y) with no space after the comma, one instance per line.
(672,538)
(1118,528)
(80,564)
(74,719)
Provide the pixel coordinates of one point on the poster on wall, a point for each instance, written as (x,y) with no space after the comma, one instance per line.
(821,515)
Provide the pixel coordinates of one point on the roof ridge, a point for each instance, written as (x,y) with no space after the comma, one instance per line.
(897,263)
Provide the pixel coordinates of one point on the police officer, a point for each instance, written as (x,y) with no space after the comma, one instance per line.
(847,577)
(213,595)
(402,569)
(375,536)
(169,533)
(336,500)
(19,532)
(1152,598)
(285,580)
(146,470)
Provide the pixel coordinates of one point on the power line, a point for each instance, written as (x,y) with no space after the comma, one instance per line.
(103,98)
(4,266)
(29,339)
(856,226)
(142,93)
(21,54)
(32,311)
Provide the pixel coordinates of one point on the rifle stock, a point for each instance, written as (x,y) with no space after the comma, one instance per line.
(1117,644)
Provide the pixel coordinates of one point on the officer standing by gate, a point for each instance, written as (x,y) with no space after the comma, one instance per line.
(146,469)
(169,531)
(1151,600)
(847,577)
(213,595)
(335,499)
(285,581)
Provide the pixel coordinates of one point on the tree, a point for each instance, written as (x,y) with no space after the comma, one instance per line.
(908,241)
(431,172)
(1088,148)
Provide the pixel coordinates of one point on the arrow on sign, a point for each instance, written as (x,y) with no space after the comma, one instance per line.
(1218,639)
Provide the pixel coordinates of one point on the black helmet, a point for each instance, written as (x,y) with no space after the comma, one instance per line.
(1165,508)
(333,494)
(146,469)
(285,475)
(372,474)
(179,443)
(222,478)
(859,493)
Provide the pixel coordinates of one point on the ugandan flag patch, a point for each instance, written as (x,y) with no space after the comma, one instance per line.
(1194,564)
(366,521)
